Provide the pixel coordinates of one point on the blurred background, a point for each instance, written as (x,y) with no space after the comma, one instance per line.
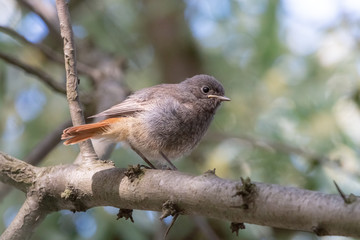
(290,67)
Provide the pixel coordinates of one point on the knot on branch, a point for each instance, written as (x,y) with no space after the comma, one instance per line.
(134,172)
(20,175)
(247,190)
(169,208)
(73,195)
(69,193)
(210,172)
(319,230)
(125,213)
(347,200)
(15,172)
(235,227)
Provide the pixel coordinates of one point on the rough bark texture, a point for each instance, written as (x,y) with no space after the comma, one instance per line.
(99,183)
(16,173)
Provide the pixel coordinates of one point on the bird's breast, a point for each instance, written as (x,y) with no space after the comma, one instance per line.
(178,129)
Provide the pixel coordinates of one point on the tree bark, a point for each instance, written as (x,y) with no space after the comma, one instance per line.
(99,183)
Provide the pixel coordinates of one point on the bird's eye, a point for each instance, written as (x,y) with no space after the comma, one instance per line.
(205,89)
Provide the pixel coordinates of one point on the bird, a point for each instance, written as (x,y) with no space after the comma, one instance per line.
(162,122)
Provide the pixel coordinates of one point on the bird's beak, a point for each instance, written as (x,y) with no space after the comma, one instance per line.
(221,98)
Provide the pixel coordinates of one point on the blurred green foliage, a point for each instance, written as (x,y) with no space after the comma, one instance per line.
(294,117)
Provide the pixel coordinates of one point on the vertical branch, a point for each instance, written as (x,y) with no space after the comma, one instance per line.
(70,63)
(72,81)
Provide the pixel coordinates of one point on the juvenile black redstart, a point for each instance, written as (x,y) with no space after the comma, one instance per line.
(165,121)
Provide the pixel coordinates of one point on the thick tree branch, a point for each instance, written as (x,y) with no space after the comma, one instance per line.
(80,187)
(43,76)
(77,116)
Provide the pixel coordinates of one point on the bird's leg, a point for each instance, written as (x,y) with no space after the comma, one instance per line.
(143,157)
(169,162)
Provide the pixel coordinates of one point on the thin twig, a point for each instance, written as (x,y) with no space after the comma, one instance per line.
(50,54)
(15,34)
(48,16)
(348,200)
(46,78)
(76,112)
(43,76)
(171,224)
(46,145)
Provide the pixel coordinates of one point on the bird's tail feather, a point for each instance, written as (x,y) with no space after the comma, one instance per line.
(81,133)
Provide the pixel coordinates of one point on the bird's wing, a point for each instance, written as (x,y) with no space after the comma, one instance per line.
(137,102)
(124,108)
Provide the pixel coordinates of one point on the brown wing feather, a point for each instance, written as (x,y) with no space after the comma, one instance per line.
(125,108)
(136,102)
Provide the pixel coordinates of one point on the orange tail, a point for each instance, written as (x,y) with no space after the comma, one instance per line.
(81,133)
